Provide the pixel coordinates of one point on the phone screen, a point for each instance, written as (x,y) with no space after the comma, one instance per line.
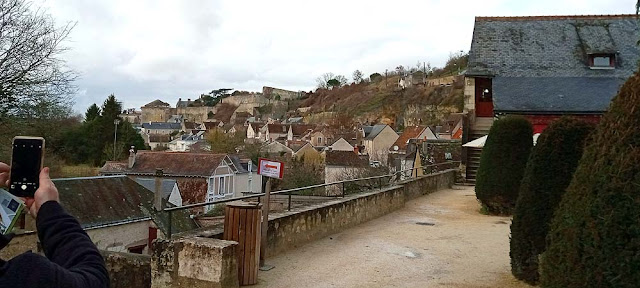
(25,166)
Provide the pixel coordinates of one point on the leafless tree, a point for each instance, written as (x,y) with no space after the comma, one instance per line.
(34,79)
(343,80)
(322,80)
(357,76)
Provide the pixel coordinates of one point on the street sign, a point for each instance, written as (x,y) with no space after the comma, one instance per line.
(270,168)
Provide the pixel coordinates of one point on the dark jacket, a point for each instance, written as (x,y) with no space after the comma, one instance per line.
(72,258)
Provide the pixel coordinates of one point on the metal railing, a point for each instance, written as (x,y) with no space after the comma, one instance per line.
(375,182)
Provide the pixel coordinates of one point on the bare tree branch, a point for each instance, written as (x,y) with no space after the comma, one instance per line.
(34,80)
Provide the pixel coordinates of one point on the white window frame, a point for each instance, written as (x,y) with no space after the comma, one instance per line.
(220,186)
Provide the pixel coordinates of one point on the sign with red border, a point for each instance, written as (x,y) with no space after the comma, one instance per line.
(270,168)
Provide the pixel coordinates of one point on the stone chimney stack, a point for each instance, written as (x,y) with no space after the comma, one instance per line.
(132,157)
(157,194)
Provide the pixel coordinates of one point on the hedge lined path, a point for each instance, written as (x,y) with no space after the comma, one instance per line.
(439,240)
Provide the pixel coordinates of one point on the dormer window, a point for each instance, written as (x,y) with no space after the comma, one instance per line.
(602,61)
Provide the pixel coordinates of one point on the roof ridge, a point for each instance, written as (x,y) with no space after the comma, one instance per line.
(89,177)
(555,17)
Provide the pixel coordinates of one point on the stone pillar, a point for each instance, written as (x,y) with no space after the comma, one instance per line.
(194,263)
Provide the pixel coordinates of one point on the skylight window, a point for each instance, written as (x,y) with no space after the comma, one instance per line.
(602,61)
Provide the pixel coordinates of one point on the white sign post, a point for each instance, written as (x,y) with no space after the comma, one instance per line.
(270,169)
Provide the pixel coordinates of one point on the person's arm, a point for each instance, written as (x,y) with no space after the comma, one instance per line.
(78,262)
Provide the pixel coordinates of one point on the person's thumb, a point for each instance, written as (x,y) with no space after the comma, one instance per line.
(44,175)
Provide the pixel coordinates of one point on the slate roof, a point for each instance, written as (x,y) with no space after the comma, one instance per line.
(182,104)
(374,131)
(554,51)
(112,200)
(156,103)
(150,184)
(345,159)
(162,125)
(554,94)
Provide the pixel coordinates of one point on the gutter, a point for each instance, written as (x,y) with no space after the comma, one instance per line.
(117,223)
(549,112)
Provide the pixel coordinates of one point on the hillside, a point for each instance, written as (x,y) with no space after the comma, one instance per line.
(387,103)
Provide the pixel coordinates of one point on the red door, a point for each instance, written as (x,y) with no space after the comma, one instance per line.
(484,97)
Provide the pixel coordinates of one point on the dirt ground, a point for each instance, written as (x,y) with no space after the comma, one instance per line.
(439,240)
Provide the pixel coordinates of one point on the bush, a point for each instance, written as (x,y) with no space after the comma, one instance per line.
(548,173)
(502,164)
(594,239)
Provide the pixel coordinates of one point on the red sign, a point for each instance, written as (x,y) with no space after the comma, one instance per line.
(270,168)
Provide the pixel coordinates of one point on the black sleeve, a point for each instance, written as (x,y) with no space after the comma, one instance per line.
(66,244)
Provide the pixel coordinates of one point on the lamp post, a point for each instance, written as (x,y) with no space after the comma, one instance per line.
(115,137)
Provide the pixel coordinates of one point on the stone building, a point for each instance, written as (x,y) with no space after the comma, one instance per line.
(273,93)
(156,111)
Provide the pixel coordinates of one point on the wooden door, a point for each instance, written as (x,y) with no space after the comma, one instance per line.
(484,97)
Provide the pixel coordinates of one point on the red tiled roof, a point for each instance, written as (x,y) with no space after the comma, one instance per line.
(553,17)
(112,167)
(410,132)
(176,163)
(345,158)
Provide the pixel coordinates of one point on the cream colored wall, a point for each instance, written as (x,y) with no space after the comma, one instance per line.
(469,94)
(381,144)
(341,145)
(116,238)
(242,183)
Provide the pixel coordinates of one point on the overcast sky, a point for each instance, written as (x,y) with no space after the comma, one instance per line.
(145,50)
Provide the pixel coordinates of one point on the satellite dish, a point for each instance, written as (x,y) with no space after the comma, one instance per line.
(395,148)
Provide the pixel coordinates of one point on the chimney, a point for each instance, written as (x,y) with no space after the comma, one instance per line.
(438,129)
(179,99)
(355,149)
(188,99)
(157,194)
(132,157)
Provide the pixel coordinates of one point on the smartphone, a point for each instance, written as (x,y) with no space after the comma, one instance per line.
(10,211)
(26,163)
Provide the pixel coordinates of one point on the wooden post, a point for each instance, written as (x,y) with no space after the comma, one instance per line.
(265,226)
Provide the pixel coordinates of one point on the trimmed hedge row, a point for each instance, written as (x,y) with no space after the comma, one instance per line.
(594,239)
(502,163)
(549,171)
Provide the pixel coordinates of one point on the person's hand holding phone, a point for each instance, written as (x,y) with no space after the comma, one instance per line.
(4,174)
(46,192)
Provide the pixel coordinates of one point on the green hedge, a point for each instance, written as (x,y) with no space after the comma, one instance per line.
(502,164)
(594,239)
(549,170)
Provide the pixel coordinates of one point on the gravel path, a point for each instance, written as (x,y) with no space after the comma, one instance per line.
(439,240)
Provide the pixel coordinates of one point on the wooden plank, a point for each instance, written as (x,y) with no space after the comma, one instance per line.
(257,237)
(225,234)
(234,228)
(249,247)
(241,236)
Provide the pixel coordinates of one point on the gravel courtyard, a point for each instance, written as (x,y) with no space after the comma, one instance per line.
(439,240)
